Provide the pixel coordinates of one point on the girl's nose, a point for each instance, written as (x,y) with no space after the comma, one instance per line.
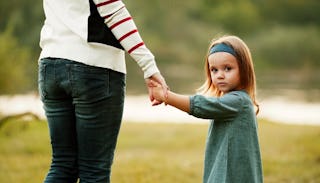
(220,75)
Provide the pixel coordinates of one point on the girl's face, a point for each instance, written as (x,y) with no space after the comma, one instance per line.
(225,74)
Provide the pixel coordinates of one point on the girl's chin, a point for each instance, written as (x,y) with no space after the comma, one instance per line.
(224,90)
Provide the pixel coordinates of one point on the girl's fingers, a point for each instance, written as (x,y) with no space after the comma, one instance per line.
(153,83)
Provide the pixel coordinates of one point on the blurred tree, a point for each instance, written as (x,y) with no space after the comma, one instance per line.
(178,33)
(287,56)
(15,76)
(25,17)
(239,17)
(297,12)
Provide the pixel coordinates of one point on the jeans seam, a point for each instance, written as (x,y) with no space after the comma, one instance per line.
(43,74)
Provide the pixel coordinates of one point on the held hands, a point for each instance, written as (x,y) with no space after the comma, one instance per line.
(157,88)
(160,93)
(157,92)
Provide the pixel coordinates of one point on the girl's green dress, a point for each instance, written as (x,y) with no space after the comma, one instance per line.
(232,149)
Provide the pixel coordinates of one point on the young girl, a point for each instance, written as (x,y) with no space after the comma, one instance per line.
(228,98)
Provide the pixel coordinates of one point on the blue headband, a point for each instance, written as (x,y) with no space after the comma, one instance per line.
(222,47)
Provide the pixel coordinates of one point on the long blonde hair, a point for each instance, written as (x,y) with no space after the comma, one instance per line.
(244,59)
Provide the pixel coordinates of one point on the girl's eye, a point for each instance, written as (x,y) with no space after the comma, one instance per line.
(227,68)
(214,70)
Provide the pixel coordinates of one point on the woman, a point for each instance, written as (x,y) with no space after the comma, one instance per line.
(82,83)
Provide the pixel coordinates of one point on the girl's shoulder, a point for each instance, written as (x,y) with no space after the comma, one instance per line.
(240,95)
(237,93)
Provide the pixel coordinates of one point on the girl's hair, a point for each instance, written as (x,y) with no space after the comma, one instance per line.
(244,59)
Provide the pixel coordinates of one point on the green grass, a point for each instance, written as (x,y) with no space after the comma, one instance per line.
(162,152)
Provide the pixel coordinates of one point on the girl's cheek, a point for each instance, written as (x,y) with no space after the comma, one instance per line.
(212,77)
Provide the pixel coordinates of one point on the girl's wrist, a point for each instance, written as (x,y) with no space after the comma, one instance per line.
(166,98)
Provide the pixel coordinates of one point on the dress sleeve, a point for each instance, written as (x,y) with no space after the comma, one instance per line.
(120,22)
(217,108)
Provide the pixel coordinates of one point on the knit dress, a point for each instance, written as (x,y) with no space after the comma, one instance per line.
(232,148)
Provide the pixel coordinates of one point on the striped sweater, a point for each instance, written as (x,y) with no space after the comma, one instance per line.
(93,32)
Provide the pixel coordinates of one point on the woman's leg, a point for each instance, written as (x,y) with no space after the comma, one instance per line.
(98,99)
(53,86)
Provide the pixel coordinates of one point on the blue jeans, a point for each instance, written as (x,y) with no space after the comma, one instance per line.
(83,105)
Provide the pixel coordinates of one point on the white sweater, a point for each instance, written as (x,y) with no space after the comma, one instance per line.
(93,32)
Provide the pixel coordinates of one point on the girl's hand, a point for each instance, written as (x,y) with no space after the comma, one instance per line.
(157,92)
(178,101)
(153,81)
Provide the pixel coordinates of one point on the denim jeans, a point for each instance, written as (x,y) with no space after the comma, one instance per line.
(83,105)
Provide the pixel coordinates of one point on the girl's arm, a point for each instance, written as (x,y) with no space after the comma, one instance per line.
(203,107)
(179,101)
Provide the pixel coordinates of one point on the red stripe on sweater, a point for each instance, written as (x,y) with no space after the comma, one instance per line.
(128,34)
(106,2)
(120,22)
(107,16)
(135,47)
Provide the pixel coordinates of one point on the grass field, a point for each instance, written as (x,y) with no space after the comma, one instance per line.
(162,152)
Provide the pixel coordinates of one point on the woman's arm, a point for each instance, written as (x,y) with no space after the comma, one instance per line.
(118,19)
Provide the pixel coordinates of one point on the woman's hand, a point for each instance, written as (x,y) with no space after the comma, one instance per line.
(156,81)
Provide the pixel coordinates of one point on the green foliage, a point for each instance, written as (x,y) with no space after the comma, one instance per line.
(184,29)
(163,152)
(236,16)
(25,17)
(15,66)
(178,33)
(293,12)
(289,51)
(288,47)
